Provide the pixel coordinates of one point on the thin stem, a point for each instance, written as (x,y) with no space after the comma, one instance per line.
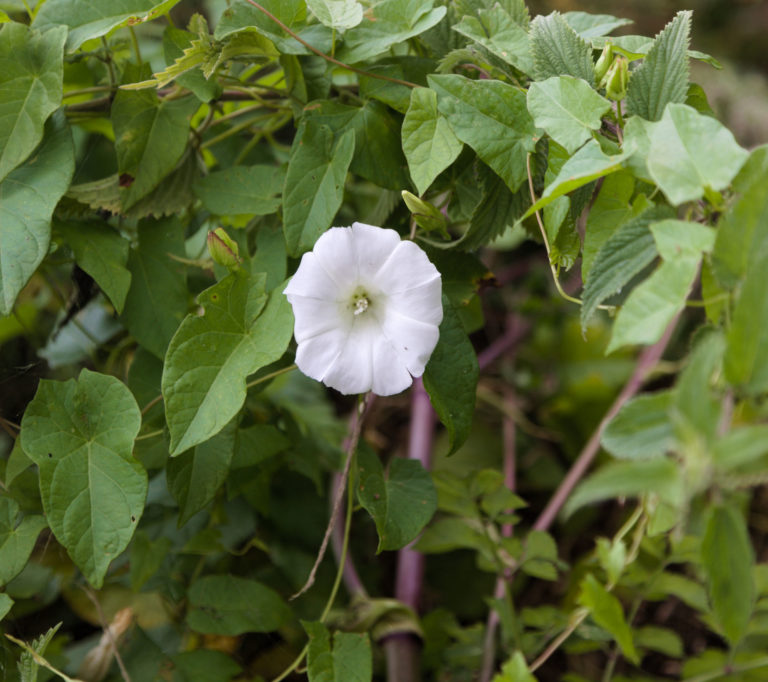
(151,434)
(108,631)
(135,42)
(86,91)
(271,375)
(517,328)
(328,58)
(151,404)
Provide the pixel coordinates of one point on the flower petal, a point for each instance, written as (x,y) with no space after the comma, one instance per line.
(412,340)
(423,303)
(315,316)
(406,268)
(352,371)
(316,355)
(374,246)
(390,375)
(312,281)
(336,252)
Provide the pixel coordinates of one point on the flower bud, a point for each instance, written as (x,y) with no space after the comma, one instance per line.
(223,249)
(616,79)
(425,214)
(603,63)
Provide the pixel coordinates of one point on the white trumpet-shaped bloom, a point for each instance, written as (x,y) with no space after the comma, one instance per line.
(367,308)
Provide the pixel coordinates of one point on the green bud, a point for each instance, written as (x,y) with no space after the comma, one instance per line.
(425,214)
(223,249)
(603,63)
(616,79)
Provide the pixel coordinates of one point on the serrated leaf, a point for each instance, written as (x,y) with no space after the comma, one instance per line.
(496,31)
(662,78)
(31,73)
(428,141)
(515,670)
(450,378)
(150,139)
(624,254)
(240,330)
(17,538)
(653,304)
(388,23)
(28,197)
(727,558)
(690,153)
(590,26)
(182,51)
(102,253)
(606,611)
(492,118)
(229,605)
(642,429)
(251,190)
(337,14)
(348,661)
(80,433)
(558,50)
(314,184)
(157,299)
(196,475)
(401,504)
(567,108)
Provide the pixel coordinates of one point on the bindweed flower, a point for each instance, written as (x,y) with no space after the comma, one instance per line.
(367,308)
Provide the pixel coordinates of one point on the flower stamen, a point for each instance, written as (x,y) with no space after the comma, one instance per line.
(361,305)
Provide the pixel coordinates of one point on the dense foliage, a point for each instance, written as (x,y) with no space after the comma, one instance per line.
(580,465)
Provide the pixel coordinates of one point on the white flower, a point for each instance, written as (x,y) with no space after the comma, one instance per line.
(367,308)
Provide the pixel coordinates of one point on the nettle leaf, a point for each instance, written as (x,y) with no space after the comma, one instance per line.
(157,299)
(663,76)
(102,253)
(337,14)
(230,606)
(150,139)
(239,330)
(630,249)
(28,197)
(590,26)
(187,54)
(567,108)
(86,19)
(642,429)
(653,304)
(251,190)
(196,475)
(80,433)
(558,50)
(17,538)
(401,503)
(31,73)
(388,23)
(429,144)
(492,118)
(314,184)
(727,557)
(350,660)
(450,378)
(499,33)
(691,153)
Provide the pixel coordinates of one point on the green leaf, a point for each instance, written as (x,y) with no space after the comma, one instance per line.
(428,141)
(515,670)
(690,153)
(195,476)
(663,640)
(252,190)
(238,330)
(350,659)
(400,504)
(314,184)
(642,429)
(726,554)
(567,108)
(17,538)
(28,197)
(492,118)
(626,252)
(102,253)
(86,19)
(559,51)
(496,31)
(157,300)
(187,55)
(606,611)
(337,14)
(146,557)
(628,479)
(5,604)
(80,433)
(653,304)
(150,139)
(388,23)
(590,26)
(451,376)
(663,76)
(31,73)
(230,606)
(741,447)
(205,665)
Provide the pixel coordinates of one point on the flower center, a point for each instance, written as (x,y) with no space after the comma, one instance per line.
(360,302)
(361,305)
